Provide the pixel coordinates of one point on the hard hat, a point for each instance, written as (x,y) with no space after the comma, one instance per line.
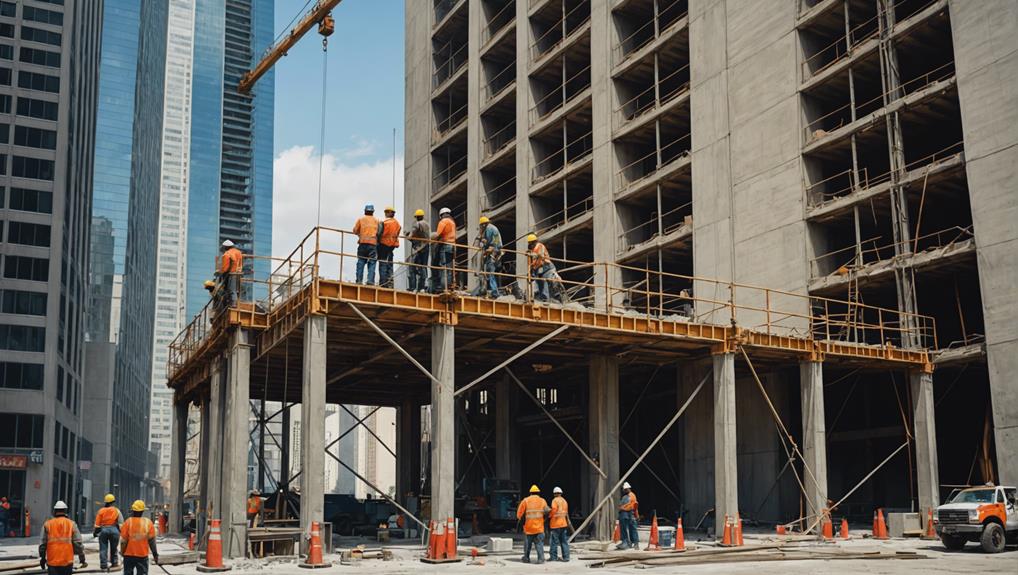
(419,213)
(138,505)
(444,211)
(59,506)
(484,220)
(109,498)
(390,209)
(227,244)
(557,490)
(255,492)
(534,489)
(209,284)
(531,237)
(369,207)
(626,485)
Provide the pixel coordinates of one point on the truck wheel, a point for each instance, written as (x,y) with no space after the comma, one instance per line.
(952,542)
(992,539)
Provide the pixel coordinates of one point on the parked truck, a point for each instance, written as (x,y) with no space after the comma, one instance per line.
(987,515)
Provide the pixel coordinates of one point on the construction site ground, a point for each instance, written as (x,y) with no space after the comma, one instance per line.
(870,557)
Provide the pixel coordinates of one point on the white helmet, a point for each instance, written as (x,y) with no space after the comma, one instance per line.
(60,506)
(626,485)
(227,244)
(444,211)
(557,490)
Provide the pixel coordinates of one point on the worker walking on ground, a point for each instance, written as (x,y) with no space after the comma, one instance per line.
(137,538)
(5,516)
(445,235)
(491,255)
(254,507)
(629,514)
(388,241)
(231,266)
(558,522)
(533,508)
(107,530)
(542,270)
(419,235)
(366,230)
(61,541)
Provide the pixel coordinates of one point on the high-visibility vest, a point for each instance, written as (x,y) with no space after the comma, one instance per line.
(137,531)
(107,516)
(632,504)
(254,504)
(389,234)
(366,229)
(533,508)
(446,230)
(59,541)
(559,513)
(538,256)
(232,261)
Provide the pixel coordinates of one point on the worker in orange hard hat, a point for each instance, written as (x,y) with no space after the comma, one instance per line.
(61,541)
(419,235)
(366,230)
(231,266)
(107,530)
(388,241)
(137,538)
(533,508)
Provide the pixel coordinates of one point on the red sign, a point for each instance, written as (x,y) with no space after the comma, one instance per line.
(13,461)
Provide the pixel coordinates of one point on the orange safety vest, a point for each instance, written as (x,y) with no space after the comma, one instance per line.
(137,531)
(106,517)
(59,541)
(632,505)
(534,507)
(446,230)
(538,256)
(254,505)
(231,262)
(366,229)
(559,513)
(390,232)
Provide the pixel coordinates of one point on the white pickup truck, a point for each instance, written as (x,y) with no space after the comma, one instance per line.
(986,514)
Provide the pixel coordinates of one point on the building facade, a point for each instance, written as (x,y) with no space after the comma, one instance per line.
(862,151)
(49,64)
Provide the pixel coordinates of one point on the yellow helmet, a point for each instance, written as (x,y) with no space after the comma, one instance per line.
(531,237)
(484,220)
(419,213)
(109,498)
(534,489)
(138,505)
(390,209)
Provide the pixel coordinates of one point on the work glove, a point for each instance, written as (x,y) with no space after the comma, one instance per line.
(96,531)
(42,564)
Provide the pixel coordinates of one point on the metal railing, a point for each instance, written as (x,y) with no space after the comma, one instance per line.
(448,68)
(499,140)
(572,152)
(564,216)
(650,99)
(499,196)
(871,251)
(548,41)
(443,8)
(669,222)
(500,81)
(498,21)
(560,95)
(450,174)
(649,32)
(647,165)
(450,122)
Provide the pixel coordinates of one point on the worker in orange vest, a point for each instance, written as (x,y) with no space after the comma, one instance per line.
(388,241)
(107,530)
(254,507)
(137,538)
(542,269)
(628,515)
(61,541)
(366,230)
(558,522)
(5,516)
(231,266)
(533,508)
(445,236)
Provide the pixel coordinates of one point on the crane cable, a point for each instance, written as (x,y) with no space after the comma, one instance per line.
(321,138)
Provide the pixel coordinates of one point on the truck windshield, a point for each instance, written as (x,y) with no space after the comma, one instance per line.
(974,496)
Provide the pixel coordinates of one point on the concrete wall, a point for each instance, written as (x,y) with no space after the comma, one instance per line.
(418,120)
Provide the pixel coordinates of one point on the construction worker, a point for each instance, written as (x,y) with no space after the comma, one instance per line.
(628,515)
(254,507)
(231,265)
(542,270)
(137,538)
(533,507)
(61,541)
(419,235)
(491,255)
(107,530)
(366,229)
(388,241)
(5,516)
(445,235)
(558,522)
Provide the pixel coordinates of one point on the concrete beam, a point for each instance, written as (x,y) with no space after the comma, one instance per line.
(443,416)
(507,447)
(312,424)
(178,459)
(925,440)
(603,422)
(236,442)
(814,433)
(408,451)
(214,485)
(726,487)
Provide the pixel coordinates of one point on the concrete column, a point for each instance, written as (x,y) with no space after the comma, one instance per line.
(312,424)
(178,458)
(814,433)
(603,422)
(726,483)
(925,440)
(507,447)
(697,441)
(443,438)
(408,451)
(235,443)
(204,466)
(214,444)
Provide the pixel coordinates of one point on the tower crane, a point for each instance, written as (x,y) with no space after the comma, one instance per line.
(320,14)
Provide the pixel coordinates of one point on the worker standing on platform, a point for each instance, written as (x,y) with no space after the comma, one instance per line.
(231,265)
(61,541)
(629,513)
(533,508)
(442,260)
(491,255)
(558,522)
(542,270)
(419,235)
(137,538)
(388,241)
(107,530)
(366,229)
(254,507)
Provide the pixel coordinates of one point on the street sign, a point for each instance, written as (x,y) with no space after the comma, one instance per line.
(13,462)
(35,456)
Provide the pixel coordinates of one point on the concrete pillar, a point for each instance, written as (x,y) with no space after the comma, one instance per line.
(443,439)
(726,483)
(925,440)
(603,422)
(235,442)
(204,466)
(697,441)
(178,458)
(312,424)
(408,451)
(507,447)
(814,433)
(214,444)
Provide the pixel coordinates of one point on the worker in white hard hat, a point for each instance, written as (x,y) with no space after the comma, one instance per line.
(61,541)
(558,522)
(629,515)
(418,235)
(445,238)
(231,266)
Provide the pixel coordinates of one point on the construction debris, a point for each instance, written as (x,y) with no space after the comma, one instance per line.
(745,554)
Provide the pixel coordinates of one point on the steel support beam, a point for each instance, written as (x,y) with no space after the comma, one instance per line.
(393,343)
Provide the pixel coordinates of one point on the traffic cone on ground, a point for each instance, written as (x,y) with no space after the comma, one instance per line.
(653,544)
(931,532)
(214,551)
(881,526)
(780,530)
(726,539)
(190,542)
(680,537)
(431,540)
(844,529)
(451,537)
(738,530)
(828,529)
(617,536)
(437,541)
(314,560)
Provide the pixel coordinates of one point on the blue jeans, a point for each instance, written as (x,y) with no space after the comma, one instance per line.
(419,272)
(135,565)
(560,537)
(489,281)
(367,254)
(441,273)
(541,282)
(385,266)
(627,530)
(536,540)
(109,538)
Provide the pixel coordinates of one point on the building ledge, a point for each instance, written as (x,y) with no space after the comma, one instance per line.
(960,354)
(676,235)
(652,113)
(628,61)
(635,187)
(871,273)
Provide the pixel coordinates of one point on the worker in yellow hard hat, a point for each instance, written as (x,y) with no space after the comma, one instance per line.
(419,236)
(388,241)
(490,241)
(107,529)
(533,508)
(137,539)
(542,270)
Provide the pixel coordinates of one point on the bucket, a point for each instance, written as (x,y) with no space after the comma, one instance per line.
(666,537)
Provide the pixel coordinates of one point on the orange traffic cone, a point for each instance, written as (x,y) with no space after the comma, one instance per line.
(438,535)
(450,538)
(680,537)
(828,528)
(881,526)
(653,543)
(726,539)
(214,551)
(190,542)
(844,529)
(780,529)
(931,532)
(617,536)
(738,530)
(314,560)
(431,540)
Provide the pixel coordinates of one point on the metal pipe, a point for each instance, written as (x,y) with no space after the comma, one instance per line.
(393,342)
